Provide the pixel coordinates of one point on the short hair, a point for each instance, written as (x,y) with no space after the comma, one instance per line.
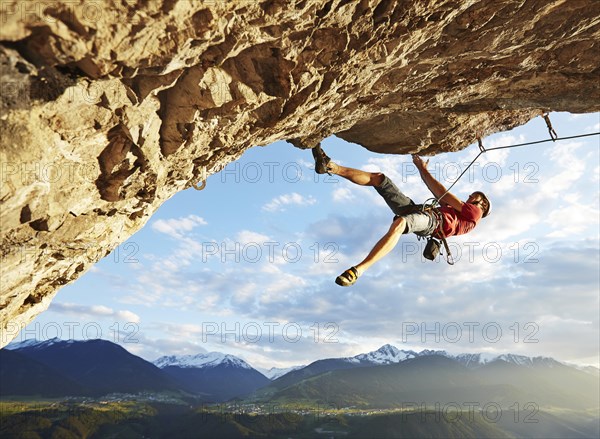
(485,203)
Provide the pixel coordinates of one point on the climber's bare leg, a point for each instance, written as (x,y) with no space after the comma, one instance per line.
(356,176)
(384,245)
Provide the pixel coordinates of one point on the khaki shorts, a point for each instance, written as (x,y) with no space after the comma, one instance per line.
(420,223)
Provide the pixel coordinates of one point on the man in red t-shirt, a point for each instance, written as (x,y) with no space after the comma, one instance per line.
(458,217)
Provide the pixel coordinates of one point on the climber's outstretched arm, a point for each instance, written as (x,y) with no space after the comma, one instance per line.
(436,188)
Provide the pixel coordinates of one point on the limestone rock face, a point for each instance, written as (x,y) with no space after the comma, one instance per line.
(110,107)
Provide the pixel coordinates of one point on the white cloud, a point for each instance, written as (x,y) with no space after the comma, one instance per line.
(176,227)
(172,339)
(397,168)
(247,237)
(94,311)
(279,203)
(565,156)
(596,174)
(554,319)
(568,224)
(499,228)
(306,164)
(342,194)
(127,316)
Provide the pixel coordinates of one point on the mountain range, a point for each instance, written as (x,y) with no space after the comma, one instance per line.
(437,379)
(216,376)
(385,377)
(92,367)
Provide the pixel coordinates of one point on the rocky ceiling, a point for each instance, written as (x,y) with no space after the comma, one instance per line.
(108,108)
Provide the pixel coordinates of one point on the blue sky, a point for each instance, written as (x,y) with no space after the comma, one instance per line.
(247,265)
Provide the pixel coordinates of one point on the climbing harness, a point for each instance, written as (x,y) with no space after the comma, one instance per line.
(432,248)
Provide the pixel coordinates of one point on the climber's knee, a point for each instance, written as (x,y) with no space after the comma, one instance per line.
(398,226)
(377,178)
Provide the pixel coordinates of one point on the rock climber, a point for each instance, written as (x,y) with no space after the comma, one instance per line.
(454,217)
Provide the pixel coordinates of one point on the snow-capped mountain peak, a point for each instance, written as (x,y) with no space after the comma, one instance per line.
(425,352)
(472,360)
(519,360)
(34,343)
(276,372)
(480,359)
(386,354)
(211,359)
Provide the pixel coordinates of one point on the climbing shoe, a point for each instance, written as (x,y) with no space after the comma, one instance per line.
(347,278)
(321,160)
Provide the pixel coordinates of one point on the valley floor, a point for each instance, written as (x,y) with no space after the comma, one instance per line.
(162,416)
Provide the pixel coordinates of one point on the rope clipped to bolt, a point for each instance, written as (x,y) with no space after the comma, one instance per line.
(483,149)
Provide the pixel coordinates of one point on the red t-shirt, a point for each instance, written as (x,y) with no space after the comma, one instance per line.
(459,223)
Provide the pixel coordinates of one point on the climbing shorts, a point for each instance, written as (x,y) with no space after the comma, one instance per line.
(420,223)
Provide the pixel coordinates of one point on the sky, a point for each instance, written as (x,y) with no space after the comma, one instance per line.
(247,265)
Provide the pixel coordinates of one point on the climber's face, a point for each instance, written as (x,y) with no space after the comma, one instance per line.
(475,198)
(480,200)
